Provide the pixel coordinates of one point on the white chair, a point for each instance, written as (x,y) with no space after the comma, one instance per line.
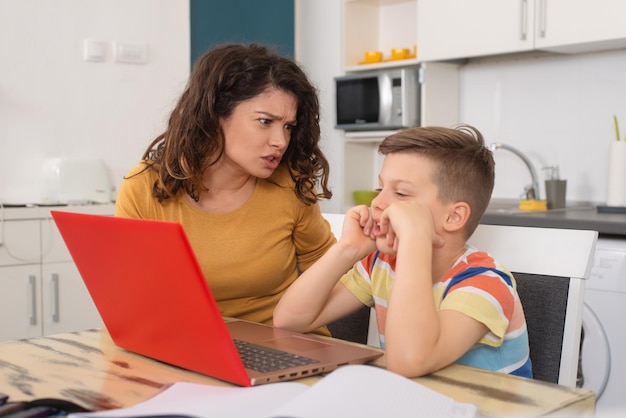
(549,266)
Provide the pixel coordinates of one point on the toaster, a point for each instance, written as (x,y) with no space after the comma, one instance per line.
(76,181)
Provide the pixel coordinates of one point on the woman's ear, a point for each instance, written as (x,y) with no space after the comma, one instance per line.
(458,216)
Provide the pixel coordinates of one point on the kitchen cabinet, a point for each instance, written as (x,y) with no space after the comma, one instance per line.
(66,303)
(41,291)
(19,302)
(20,274)
(449,29)
(378,25)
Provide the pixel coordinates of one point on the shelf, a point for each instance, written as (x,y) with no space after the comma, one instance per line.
(381,65)
(378,25)
(367,136)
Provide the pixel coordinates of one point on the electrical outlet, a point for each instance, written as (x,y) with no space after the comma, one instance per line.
(130,53)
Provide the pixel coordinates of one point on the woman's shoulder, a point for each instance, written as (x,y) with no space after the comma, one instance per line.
(142,169)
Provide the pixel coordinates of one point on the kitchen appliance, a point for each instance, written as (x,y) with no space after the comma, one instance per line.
(603,351)
(378,100)
(76,181)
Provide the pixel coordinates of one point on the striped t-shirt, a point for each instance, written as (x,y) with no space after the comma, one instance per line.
(483,295)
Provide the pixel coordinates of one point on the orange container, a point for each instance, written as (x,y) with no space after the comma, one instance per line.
(373,56)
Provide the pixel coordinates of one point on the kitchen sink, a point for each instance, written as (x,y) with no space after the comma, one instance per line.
(511,207)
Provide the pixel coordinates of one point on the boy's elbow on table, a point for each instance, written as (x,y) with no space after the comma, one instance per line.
(289,321)
(409,365)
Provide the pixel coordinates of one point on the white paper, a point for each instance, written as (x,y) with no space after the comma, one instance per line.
(354,390)
(372,392)
(198,400)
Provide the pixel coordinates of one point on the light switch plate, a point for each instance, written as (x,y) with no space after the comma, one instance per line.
(93,51)
(130,52)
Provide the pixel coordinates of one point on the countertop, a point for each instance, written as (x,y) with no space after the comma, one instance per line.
(29,212)
(578,215)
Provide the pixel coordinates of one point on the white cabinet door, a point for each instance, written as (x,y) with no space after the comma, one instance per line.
(19,242)
(452,29)
(20,296)
(580,25)
(66,303)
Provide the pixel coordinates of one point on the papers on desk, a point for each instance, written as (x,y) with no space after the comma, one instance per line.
(354,390)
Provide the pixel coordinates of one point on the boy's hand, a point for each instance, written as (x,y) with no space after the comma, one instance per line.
(408,219)
(355,234)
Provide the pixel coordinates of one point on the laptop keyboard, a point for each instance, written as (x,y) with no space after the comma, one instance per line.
(265,359)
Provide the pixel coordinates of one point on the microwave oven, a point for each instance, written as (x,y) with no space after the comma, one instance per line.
(378,100)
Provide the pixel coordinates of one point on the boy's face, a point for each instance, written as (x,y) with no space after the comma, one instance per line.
(406,177)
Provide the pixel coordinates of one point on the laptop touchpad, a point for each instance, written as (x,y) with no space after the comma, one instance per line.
(296,343)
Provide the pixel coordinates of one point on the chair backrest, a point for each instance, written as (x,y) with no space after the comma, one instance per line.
(550,266)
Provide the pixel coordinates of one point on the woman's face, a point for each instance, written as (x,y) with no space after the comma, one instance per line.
(257,133)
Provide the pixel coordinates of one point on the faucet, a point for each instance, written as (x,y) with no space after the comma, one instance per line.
(532,190)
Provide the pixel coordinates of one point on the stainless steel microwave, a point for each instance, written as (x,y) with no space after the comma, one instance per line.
(378,100)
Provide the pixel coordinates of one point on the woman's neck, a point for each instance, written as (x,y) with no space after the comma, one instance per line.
(225,195)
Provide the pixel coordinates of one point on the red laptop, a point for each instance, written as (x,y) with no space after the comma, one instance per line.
(154,300)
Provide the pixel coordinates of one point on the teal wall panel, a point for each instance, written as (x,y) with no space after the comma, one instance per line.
(269,22)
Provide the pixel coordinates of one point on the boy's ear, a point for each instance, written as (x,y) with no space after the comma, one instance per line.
(458,215)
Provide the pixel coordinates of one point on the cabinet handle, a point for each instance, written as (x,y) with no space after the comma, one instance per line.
(524,20)
(55,297)
(543,17)
(32,282)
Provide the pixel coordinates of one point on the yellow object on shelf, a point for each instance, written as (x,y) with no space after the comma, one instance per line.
(533,205)
(372,57)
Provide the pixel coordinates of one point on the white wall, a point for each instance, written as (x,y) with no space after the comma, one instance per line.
(318,50)
(54,104)
(557,109)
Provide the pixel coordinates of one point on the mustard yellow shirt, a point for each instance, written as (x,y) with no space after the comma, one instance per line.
(249,256)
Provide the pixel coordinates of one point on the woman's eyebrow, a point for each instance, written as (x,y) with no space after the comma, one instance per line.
(275,117)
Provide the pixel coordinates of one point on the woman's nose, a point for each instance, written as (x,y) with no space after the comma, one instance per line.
(280,138)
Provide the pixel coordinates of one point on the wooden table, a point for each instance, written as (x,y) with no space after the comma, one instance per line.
(88,368)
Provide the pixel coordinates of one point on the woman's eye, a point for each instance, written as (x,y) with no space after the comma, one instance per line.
(265,121)
(290,128)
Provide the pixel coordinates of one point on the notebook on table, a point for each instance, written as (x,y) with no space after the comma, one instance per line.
(154,300)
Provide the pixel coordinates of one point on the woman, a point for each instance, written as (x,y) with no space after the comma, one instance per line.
(239,166)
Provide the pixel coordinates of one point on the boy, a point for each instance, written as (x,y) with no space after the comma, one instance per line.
(435,184)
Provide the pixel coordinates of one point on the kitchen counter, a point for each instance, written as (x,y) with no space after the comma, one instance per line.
(578,215)
(26,212)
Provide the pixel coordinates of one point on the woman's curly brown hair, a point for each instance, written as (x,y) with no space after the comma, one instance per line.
(221,79)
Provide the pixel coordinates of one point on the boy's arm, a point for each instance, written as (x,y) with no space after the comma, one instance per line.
(418,338)
(317,297)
